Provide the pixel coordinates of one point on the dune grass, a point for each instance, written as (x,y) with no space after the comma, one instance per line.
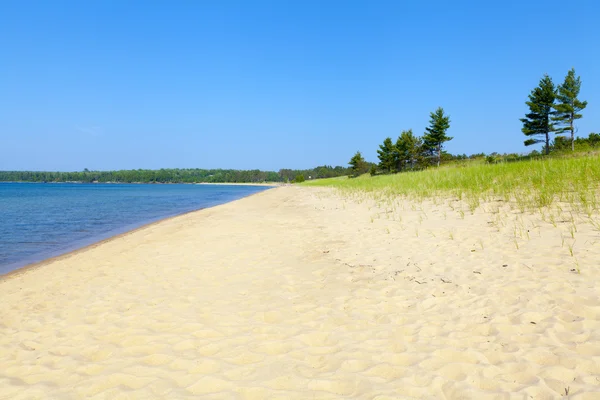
(525,185)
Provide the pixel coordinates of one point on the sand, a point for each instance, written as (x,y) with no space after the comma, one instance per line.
(301,293)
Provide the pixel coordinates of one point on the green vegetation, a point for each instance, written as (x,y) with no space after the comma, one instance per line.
(411,153)
(408,153)
(525,185)
(545,116)
(528,181)
(414,153)
(435,135)
(562,144)
(173,175)
(569,107)
(373,170)
(299,179)
(538,122)
(387,155)
(358,165)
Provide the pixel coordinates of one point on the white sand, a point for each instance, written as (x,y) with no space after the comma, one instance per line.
(297,293)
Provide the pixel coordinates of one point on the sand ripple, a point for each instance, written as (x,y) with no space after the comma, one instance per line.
(301,293)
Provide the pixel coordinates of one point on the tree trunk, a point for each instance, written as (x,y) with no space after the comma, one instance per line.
(572,135)
(547,143)
(439,154)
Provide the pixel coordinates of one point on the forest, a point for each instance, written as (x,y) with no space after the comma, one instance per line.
(175,175)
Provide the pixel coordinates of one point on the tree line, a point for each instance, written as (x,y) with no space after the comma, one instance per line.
(409,152)
(174,175)
(552,109)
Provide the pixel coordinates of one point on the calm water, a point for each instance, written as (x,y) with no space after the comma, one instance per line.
(38,220)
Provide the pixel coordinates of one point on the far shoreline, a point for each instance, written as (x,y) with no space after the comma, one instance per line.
(273,184)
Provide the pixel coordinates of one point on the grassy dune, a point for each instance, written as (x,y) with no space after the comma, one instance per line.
(525,185)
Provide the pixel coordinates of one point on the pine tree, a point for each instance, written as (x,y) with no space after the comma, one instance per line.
(358,165)
(538,122)
(373,170)
(386,155)
(409,149)
(435,134)
(569,106)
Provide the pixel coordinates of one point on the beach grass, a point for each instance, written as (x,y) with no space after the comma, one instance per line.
(524,185)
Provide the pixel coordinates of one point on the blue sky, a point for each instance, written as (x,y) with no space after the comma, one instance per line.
(275,84)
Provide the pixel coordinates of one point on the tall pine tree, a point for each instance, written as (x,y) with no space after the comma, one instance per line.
(435,135)
(538,122)
(386,155)
(569,106)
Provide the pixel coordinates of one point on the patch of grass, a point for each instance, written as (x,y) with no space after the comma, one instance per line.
(525,185)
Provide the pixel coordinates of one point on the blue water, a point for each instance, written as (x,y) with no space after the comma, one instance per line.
(38,220)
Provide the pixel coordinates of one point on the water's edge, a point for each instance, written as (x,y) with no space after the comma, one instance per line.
(8,271)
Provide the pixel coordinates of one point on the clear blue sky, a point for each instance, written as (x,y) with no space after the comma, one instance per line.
(275,84)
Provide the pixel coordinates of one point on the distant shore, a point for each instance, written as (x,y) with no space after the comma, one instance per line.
(160,183)
(297,292)
(244,184)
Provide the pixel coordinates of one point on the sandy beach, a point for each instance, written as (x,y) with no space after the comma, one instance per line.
(305,293)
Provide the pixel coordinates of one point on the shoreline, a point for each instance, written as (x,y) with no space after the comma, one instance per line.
(70,253)
(303,293)
(94,242)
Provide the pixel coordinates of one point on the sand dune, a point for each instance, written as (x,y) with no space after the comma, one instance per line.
(299,293)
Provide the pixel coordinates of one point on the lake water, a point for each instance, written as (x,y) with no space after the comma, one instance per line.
(38,220)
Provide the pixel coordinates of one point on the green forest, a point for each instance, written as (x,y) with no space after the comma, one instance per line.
(175,175)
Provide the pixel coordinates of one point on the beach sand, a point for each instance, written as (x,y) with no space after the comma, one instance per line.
(302,293)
